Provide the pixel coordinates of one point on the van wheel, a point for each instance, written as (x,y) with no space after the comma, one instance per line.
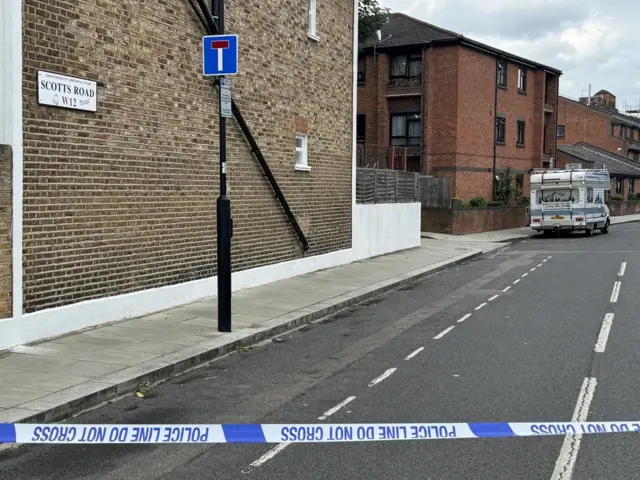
(605,229)
(589,231)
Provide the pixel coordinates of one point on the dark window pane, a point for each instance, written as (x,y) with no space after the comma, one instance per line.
(399,66)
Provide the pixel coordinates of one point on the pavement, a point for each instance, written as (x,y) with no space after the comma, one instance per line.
(512,335)
(55,379)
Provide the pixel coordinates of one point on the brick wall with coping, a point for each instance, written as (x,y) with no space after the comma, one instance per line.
(124,199)
(585,124)
(472,220)
(6,221)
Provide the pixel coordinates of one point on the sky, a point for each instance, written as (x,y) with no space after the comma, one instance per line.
(592,41)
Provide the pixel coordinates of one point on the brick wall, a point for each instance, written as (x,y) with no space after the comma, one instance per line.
(472,220)
(624,208)
(124,199)
(585,124)
(6,214)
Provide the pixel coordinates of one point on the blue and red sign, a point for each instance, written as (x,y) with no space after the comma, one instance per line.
(220,55)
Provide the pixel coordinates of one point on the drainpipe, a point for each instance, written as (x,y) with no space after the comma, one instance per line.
(423,114)
(495,119)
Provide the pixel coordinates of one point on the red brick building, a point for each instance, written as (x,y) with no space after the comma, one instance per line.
(434,101)
(598,122)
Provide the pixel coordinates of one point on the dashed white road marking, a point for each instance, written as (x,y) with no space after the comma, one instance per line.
(571,446)
(480,306)
(601,344)
(525,274)
(493,298)
(414,353)
(269,455)
(333,410)
(623,268)
(444,332)
(533,269)
(464,318)
(507,289)
(616,292)
(386,374)
(516,281)
(539,265)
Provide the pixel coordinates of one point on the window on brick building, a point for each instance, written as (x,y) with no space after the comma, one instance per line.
(405,129)
(361,128)
(500,129)
(362,69)
(302,153)
(560,131)
(618,181)
(633,155)
(522,80)
(624,131)
(502,73)
(406,66)
(632,185)
(313,10)
(520,138)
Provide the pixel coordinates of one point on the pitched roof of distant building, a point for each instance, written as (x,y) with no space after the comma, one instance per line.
(615,164)
(402,31)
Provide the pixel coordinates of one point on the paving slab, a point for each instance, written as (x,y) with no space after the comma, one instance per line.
(109,361)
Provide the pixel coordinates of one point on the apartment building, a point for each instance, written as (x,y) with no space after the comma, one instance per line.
(596,120)
(434,101)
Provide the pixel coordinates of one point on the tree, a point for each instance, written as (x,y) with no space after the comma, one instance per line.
(371,17)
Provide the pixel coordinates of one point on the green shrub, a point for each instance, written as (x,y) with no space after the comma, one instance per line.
(524,201)
(458,203)
(478,202)
(631,196)
(617,198)
(638,196)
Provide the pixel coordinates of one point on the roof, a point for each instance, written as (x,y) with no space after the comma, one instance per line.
(615,164)
(402,31)
(621,117)
(604,92)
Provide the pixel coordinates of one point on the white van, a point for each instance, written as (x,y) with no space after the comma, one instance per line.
(567,200)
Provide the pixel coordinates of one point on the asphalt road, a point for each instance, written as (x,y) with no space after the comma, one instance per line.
(532,349)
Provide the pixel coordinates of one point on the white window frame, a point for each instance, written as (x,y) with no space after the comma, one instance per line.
(304,150)
(313,20)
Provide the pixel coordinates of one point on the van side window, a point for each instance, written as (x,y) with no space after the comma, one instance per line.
(589,195)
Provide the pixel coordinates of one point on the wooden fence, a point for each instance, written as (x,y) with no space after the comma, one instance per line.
(394,186)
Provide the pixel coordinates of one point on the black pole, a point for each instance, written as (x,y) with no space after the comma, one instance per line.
(223,212)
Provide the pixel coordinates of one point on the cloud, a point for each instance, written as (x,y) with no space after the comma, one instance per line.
(591,42)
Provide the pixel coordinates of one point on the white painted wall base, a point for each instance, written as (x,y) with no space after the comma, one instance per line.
(378,229)
(385,228)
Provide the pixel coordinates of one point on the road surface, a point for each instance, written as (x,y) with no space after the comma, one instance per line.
(541,331)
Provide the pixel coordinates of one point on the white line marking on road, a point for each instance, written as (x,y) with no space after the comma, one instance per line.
(616,292)
(507,289)
(493,298)
(623,268)
(464,318)
(269,455)
(414,353)
(539,265)
(386,374)
(571,446)
(601,344)
(525,274)
(333,410)
(443,333)
(517,281)
(533,269)
(480,306)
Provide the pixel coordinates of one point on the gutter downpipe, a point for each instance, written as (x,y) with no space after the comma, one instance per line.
(495,131)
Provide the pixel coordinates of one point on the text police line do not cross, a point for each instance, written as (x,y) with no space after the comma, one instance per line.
(219,55)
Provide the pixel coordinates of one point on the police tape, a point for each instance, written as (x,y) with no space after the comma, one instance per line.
(294,433)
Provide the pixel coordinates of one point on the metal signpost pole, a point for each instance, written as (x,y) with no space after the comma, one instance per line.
(223,204)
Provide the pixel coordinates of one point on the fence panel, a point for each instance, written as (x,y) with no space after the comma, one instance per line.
(386,186)
(435,192)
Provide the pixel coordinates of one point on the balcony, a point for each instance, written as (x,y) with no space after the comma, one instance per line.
(402,158)
(404,86)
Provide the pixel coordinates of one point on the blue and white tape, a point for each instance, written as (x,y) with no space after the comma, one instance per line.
(294,433)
